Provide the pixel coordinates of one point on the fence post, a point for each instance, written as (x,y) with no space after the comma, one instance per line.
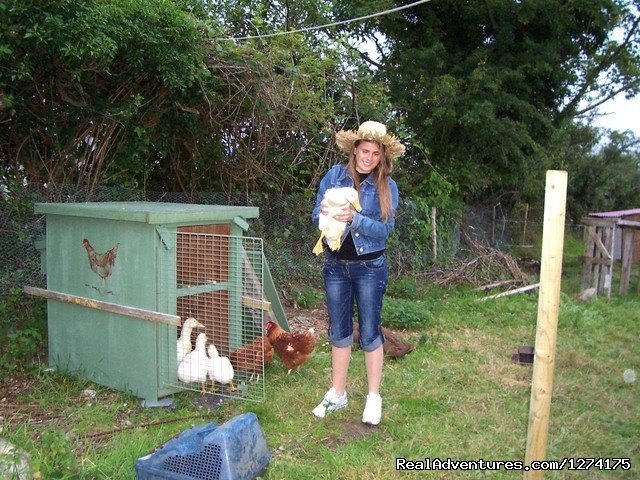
(434,235)
(524,227)
(546,330)
(493,225)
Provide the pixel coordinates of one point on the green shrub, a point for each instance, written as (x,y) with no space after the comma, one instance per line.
(57,459)
(22,332)
(310,298)
(405,287)
(400,313)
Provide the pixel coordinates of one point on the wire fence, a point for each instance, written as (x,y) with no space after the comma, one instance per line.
(423,239)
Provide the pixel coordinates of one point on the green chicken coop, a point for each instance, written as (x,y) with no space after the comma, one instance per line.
(123,276)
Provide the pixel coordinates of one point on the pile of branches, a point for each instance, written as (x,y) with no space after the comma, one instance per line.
(483,267)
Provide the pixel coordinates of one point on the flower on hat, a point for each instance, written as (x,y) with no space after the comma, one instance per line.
(373,132)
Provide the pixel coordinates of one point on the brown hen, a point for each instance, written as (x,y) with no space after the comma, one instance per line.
(253,357)
(293,348)
(393,347)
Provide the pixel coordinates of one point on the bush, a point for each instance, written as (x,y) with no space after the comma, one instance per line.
(405,287)
(56,458)
(310,298)
(400,313)
(22,333)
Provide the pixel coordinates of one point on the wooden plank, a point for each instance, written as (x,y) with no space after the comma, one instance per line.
(602,261)
(106,306)
(588,257)
(275,312)
(606,252)
(597,255)
(603,253)
(256,303)
(271,294)
(628,223)
(500,283)
(608,269)
(200,289)
(599,222)
(627,257)
(511,292)
(547,324)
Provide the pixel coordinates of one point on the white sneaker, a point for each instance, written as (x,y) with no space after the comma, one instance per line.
(372,409)
(330,403)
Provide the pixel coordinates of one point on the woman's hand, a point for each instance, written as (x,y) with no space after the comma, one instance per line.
(345,215)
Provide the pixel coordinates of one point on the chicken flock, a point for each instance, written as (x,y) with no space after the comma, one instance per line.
(204,363)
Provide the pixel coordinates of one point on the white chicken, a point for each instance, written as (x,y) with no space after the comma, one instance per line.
(219,368)
(193,367)
(336,199)
(184,342)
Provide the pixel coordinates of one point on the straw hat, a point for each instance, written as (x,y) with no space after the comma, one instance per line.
(370,131)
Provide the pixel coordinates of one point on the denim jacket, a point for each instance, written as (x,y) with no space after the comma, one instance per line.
(369,232)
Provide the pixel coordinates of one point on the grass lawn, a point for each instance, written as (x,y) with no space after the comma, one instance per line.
(458,396)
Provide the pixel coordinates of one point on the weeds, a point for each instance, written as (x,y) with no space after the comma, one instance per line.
(309,298)
(22,333)
(399,313)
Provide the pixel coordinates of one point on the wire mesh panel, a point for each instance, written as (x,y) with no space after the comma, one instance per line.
(218,290)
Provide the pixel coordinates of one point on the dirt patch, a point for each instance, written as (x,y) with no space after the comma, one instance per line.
(351,431)
(299,320)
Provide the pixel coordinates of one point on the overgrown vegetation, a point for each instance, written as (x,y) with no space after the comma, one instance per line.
(152,94)
(23,334)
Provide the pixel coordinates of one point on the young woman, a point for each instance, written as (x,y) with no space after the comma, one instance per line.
(357,272)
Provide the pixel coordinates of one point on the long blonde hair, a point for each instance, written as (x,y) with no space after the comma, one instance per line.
(381,172)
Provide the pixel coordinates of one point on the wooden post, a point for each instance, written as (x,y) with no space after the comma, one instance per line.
(606,252)
(589,253)
(546,330)
(597,259)
(627,257)
(434,235)
(524,227)
(493,225)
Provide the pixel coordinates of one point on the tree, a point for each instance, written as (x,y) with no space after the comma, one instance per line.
(150,93)
(484,87)
(603,176)
(89,89)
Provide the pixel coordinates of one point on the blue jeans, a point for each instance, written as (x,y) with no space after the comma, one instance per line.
(364,282)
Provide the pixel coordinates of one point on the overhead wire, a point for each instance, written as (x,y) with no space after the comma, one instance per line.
(327,25)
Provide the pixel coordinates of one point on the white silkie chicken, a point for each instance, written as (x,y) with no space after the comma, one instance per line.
(193,367)
(219,369)
(184,342)
(336,200)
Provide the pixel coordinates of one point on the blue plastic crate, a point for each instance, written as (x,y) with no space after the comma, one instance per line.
(235,450)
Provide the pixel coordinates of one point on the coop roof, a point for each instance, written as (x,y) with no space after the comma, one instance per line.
(616,213)
(149,212)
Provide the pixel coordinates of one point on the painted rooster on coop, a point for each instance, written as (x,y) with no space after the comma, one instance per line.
(100,263)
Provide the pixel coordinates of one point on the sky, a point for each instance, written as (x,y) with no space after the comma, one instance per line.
(622,114)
